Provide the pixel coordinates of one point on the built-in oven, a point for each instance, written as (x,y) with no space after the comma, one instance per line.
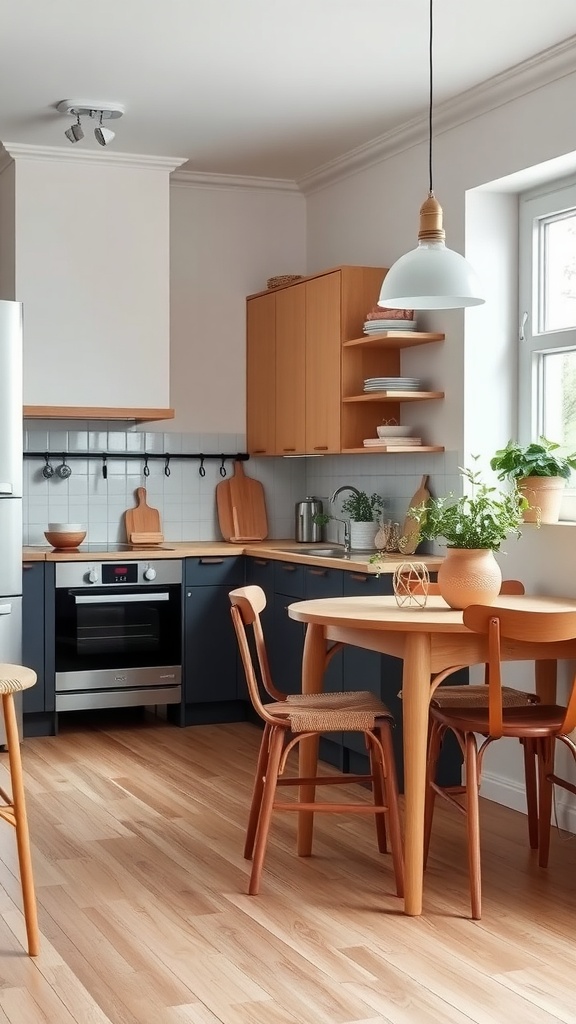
(118,633)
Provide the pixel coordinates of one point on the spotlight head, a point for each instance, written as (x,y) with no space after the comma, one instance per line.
(103,135)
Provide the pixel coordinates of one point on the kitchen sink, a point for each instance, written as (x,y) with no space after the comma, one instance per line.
(320,552)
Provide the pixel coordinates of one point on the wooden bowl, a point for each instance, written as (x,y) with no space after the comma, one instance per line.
(65,540)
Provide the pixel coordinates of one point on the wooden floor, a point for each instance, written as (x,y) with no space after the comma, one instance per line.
(137,835)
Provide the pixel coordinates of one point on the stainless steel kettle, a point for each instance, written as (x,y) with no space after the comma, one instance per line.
(306,530)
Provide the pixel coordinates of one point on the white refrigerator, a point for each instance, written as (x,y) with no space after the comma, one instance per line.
(11,471)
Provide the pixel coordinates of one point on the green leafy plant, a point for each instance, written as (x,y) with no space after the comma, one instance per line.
(481,519)
(540,458)
(360,508)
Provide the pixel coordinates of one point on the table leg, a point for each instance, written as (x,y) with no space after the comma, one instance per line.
(415,705)
(313,666)
(545,675)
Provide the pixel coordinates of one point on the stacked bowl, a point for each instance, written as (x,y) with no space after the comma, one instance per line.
(65,535)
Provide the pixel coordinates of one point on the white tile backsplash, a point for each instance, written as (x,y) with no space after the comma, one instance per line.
(186,501)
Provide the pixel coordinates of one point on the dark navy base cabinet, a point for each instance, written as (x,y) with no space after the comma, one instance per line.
(38,647)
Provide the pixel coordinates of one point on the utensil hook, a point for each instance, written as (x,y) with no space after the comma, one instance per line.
(201,469)
(104,468)
(223,467)
(167,465)
(146,470)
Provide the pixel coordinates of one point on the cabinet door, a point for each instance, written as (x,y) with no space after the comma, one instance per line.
(291,369)
(33,633)
(323,346)
(260,374)
(210,646)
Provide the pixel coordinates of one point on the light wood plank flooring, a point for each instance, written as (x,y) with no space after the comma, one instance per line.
(137,832)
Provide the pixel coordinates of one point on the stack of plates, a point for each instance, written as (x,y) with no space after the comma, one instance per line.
(392,384)
(390,442)
(378,326)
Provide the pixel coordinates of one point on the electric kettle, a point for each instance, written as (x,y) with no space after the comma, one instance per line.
(306,530)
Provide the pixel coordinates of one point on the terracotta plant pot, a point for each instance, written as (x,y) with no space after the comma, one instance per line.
(469,576)
(544,495)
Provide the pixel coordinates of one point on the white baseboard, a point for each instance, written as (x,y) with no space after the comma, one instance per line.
(512,794)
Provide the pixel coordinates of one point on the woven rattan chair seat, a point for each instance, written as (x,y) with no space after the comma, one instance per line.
(331,711)
(14,678)
(477,697)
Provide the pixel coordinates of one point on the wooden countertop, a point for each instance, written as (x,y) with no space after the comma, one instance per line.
(201,549)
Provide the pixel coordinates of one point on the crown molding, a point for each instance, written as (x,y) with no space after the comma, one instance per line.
(23,151)
(232,182)
(548,66)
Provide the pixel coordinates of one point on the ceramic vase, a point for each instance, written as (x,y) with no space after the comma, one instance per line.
(469,576)
(544,495)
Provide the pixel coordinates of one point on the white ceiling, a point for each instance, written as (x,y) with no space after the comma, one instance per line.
(273,88)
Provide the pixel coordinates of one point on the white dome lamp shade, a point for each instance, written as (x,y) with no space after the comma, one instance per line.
(430,276)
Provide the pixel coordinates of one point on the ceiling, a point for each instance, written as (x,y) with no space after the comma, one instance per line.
(254,87)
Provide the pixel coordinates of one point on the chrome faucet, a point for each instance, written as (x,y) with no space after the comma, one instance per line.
(346,522)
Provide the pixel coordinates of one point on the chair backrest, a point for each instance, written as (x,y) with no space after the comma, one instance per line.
(247,603)
(532,626)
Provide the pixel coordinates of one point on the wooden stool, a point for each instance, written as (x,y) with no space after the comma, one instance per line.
(13,679)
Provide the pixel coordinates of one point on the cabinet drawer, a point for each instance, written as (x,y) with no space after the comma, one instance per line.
(321,582)
(260,573)
(289,579)
(214,569)
(358,583)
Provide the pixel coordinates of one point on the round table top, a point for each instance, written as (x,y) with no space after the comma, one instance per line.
(385,614)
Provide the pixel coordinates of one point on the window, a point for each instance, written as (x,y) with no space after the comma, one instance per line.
(547,348)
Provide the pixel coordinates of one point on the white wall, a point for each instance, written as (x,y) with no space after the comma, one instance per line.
(7,214)
(225,244)
(92,269)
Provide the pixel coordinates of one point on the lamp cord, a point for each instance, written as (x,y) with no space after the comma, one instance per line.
(430,66)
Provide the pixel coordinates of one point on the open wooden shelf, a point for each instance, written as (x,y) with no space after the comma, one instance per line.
(393,449)
(394,339)
(73,412)
(395,396)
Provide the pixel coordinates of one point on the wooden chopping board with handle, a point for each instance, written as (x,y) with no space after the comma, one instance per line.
(241,507)
(409,534)
(143,522)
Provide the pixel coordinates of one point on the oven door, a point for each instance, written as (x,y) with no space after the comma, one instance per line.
(125,639)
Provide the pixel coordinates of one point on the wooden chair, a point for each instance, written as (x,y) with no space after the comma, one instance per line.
(293,717)
(541,724)
(13,679)
(476,695)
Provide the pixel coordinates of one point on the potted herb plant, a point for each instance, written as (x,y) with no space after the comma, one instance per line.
(363,510)
(539,472)
(474,526)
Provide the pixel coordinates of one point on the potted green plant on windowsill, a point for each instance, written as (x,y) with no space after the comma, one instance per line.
(474,526)
(363,510)
(539,472)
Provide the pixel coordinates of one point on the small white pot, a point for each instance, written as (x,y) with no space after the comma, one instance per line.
(363,536)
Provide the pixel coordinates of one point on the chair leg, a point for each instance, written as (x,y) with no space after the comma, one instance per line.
(434,744)
(546,749)
(257,791)
(378,792)
(391,793)
(473,823)
(275,752)
(21,825)
(531,791)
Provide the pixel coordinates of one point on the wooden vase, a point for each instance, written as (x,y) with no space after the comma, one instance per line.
(469,576)
(544,495)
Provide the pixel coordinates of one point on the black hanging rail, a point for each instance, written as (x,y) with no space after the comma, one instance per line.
(145,457)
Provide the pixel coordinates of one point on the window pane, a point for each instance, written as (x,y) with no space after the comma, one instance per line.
(559,273)
(559,398)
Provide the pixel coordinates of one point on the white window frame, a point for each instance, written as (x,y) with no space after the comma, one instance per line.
(545,201)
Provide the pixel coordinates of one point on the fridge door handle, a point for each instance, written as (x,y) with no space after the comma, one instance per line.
(6,488)
(5,609)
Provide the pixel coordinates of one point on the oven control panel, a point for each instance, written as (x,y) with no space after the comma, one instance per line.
(118,574)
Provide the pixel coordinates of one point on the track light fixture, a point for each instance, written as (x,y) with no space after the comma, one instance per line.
(75,133)
(98,111)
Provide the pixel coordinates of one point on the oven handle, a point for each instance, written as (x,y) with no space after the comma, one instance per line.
(113,598)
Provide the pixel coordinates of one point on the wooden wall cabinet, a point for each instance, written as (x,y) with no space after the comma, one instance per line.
(296,407)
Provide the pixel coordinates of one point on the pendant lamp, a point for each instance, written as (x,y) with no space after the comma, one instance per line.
(430,276)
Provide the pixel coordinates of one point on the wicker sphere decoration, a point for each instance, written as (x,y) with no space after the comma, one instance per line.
(411,581)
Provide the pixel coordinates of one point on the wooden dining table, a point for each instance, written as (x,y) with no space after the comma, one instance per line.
(429,640)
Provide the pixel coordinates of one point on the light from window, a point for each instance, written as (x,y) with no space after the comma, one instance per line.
(558,391)
(558,272)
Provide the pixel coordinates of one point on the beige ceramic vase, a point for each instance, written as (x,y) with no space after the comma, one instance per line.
(469,576)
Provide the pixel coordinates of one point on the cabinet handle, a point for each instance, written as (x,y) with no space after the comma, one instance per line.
(358,576)
(210,561)
(27,565)
(289,568)
(319,572)
(262,561)
(288,449)
(260,451)
(320,447)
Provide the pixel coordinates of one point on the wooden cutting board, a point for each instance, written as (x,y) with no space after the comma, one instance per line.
(242,507)
(143,522)
(409,533)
